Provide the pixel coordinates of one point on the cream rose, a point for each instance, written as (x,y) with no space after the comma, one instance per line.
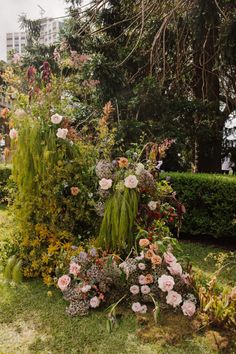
(105,184)
(62,133)
(56,118)
(173,298)
(131,181)
(152,205)
(166,282)
(188,308)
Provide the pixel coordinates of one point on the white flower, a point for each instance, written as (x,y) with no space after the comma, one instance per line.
(56,118)
(143,309)
(145,289)
(62,133)
(134,289)
(13,134)
(139,168)
(173,298)
(86,288)
(142,266)
(94,302)
(105,184)
(131,181)
(152,205)
(136,307)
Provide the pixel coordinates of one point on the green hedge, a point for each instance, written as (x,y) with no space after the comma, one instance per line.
(210,202)
(5,172)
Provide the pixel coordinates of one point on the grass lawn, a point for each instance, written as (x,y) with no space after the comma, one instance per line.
(33,322)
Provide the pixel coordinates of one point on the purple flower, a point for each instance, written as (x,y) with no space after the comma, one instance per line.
(93,252)
(82,256)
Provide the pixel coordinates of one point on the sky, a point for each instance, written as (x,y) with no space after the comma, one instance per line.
(11,9)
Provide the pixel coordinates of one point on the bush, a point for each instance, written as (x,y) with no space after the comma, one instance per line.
(210,202)
(5,172)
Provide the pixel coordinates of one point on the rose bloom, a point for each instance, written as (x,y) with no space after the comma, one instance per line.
(63,282)
(156,260)
(56,118)
(143,309)
(136,307)
(169,258)
(94,302)
(185,278)
(145,289)
(134,289)
(152,205)
(142,266)
(62,133)
(105,184)
(74,268)
(149,279)
(173,298)
(123,162)
(144,242)
(74,191)
(142,280)
(233,294)
(149,254)
(86,288)
(131,181)
(166,282)
(188,308)
(175,269)
(13,134)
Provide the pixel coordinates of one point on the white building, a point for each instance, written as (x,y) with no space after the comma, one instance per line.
(15,41)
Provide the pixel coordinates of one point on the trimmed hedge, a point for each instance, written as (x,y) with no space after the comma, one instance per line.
(5,172)
(210,202)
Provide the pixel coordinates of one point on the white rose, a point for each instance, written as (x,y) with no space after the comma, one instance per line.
(94,302)
(152,205)
(86,288)
(56,118)
(62,133)
(105,184)
(131,181)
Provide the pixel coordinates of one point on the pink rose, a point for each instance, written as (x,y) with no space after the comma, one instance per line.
(134,289)
(185,278)
(175,268)
(169,258)
(56,118)
(85,288)
(94,302)
(188,308)
(144,242)
(13,134)
(166,282)
(105,184)
(173,298)
(62,133)
(142,280)
(136,307)
(131,181)
(63,282)
(145,289)
(143,309)
(74,268)
(141,266)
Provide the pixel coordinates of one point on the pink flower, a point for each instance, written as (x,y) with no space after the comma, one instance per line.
(142,280)
(145,289)
(63,282)
(13,134)
(141,266)
(173,298)
(175,269)
(185,278)
(74,191)
(144,242)
(166,282)
(94,302)
(74,268)
(136,307)
(105,184)
(134,289)
(56,118)
(85,288)
(143,309)
(62,133)
(131,181)
(169,258)
(188,308)
(16,58)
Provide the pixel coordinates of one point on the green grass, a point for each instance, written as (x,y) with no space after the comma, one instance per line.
(33,322)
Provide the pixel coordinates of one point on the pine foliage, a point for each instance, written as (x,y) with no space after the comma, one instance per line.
(118,221)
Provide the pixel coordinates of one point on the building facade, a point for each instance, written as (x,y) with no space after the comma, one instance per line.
(15,41)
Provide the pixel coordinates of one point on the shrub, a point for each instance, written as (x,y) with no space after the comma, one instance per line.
(5,172)
(210,202)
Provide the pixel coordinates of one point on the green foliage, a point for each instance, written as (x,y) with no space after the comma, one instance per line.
(13,270)
(210,202)
(118,221)
(5,173)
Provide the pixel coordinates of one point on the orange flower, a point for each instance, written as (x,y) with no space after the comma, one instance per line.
(153,247)
(144,242)
(74,191)
(149,279)
(4,112)
(149,254)
(156,260)
(123,162)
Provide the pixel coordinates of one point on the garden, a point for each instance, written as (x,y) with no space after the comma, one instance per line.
(118,230)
